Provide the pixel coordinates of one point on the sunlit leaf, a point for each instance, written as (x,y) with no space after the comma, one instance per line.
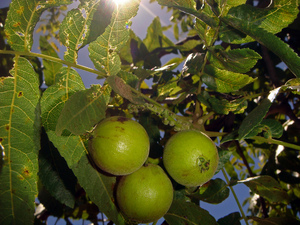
(272,19)
(224,81)
(50,68)
(20,140)
(293,85)
(53,100)
(189,6)
(267,187)
(155,37)
(224,106)
(22,18)
(256,115)
(236,60)
(67,82)
(238,17)
(83,110)
(104,51)
(75,28)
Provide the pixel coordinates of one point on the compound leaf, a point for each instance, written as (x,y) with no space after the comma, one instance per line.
(19,143)
(238,17)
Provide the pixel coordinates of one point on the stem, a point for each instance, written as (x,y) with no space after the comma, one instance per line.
(277,142)
(235,197)
(262,200)
(54,59)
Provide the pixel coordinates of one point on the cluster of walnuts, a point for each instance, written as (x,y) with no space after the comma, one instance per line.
(120,146)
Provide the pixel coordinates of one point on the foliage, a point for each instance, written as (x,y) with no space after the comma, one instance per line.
(232,86)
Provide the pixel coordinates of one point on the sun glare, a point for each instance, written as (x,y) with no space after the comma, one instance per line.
(119,2)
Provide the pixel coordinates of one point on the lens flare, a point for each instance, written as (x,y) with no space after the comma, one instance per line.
(119,2)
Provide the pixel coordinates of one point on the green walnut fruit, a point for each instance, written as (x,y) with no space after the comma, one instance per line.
(145,195)
(191,158)
(119,145)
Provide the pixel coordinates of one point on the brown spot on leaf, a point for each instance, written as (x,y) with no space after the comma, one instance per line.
(21,10)
(20,177)
(7,127)
(26,172)
(17,24)
(20,94)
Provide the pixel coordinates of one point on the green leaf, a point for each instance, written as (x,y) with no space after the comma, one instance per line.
(189,6)
(236,60)
(238,17)
(99,188)
(255,117)
(193,63)
(284,220)
(55,175)
(274,128)
(293,85)
(186,4)
(103,13)
(187,213)
(67,82)
(224,106)
(272,19)
(104,51)
(225,5)
(155,37)
(21,20)
(224,156)
(19,143)
(232,219)
(83,110)
(267,187)
(50,68)
(74,29)
(215,191)
(224,81)
(123,89)
(129,78)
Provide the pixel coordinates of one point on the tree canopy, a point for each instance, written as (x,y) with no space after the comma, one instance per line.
(235,76)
